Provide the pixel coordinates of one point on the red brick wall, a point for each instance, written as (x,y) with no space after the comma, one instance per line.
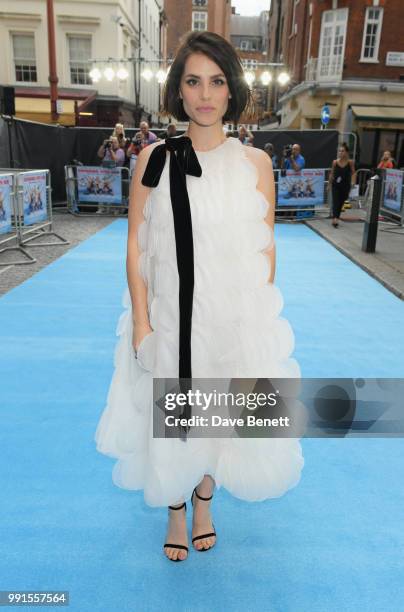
(179,15)
(392,38)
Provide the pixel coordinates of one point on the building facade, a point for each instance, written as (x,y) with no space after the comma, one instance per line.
(249,35)
(350,55)
(186,15)
(84,31)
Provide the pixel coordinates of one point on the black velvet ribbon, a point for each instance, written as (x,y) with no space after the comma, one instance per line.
(183,161)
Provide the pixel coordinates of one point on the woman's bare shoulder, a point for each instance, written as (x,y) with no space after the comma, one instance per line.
(259,158)
(147,151)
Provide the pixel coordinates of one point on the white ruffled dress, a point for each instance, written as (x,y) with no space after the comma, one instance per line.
(236,332)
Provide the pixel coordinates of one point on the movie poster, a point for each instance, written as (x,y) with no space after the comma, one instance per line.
(97,184)
(5,203)
(393,188)
(301,188)
(33,186)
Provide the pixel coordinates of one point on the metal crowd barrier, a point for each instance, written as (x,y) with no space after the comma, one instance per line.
(392,200)
(100,187)
(9,233)
(363,176)
(302,186)
(31,212)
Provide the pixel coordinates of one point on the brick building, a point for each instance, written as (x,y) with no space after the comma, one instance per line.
(186,15)
(249,35)
(350,54)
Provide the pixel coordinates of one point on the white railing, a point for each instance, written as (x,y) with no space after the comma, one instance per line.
(324,69)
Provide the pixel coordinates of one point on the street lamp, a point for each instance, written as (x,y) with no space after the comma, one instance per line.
(266,78)
(283,79)
(249,77)
(109,73)
(147,74)
(122,74)
(95,75)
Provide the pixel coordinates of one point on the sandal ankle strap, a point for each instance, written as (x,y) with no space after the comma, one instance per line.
(178,507)
(200,496)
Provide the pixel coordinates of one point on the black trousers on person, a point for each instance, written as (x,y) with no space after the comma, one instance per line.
(339,195)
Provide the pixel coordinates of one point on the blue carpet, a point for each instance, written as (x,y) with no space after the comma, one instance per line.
(334,543)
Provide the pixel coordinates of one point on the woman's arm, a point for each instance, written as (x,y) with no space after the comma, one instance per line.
(266,184)
(331,175)
(136,285)
(353,172)
(101,151)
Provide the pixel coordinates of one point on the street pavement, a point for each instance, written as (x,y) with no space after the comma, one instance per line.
(386,264)
(72,228)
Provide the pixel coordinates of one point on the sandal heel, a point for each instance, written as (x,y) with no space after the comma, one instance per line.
(204,535)
(180,546)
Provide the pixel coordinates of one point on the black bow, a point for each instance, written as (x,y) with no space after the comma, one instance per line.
(183,161)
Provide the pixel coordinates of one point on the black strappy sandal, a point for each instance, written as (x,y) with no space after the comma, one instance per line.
(181,546)
(204,535)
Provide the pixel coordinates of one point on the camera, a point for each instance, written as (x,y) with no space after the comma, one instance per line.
(107,144)
(287,150)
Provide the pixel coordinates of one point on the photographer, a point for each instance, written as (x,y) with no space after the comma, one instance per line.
(269,150)
(141,140)
(112,156)
(111,152)
(292,158)
(245,136)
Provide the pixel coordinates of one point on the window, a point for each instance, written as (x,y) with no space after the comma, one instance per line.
(332,44)
(371,34)
(199,21)
(200,2)
(293,29)
(79,56)
(24,58)
(249,64)
(244,45)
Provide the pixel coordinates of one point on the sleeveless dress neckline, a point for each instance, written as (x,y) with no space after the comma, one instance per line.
(214,149)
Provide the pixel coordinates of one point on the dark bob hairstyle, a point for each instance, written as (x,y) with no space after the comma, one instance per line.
(219,50)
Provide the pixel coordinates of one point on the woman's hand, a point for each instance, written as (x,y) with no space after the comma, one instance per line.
(139,333)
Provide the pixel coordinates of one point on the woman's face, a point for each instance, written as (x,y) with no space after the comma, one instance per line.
(118,129)
(204,90)
(343,152)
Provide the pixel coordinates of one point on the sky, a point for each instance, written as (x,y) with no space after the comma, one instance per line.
(251,7)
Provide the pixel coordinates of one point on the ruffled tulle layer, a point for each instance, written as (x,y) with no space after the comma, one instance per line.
(252,469)
(237,331)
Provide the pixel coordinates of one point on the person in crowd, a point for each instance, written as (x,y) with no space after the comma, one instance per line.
(171,130)
(293,159)
(342,178)
(269,149)
(112,155)
(386,161)
(119,132)
(147,137)
(142,139)
(111,152)
(245,136)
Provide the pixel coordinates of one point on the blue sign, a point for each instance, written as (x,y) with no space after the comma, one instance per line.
(325,114)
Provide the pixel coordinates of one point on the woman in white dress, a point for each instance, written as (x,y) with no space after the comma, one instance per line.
(200,301)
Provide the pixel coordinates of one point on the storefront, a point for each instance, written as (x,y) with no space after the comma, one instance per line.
(380,128)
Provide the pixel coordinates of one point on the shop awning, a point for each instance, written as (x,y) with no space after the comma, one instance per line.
(379,113)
